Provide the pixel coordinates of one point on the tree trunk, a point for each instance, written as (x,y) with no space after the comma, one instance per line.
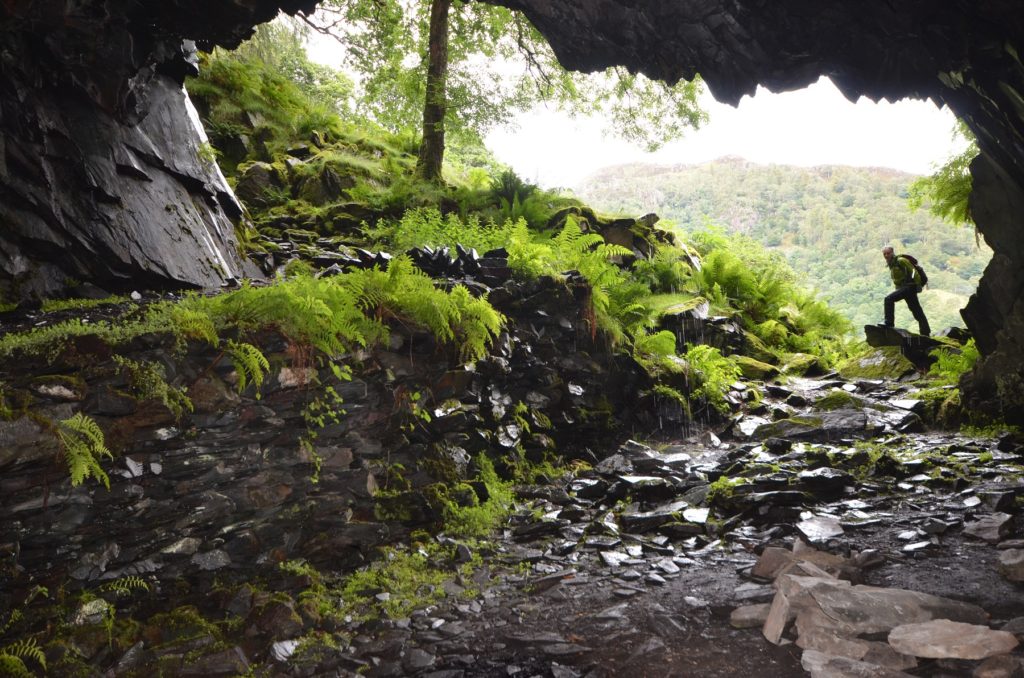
(432,147)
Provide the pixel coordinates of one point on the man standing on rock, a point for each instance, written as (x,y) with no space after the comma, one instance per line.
(908,284)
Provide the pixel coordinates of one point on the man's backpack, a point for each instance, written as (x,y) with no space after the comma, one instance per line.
(922,277)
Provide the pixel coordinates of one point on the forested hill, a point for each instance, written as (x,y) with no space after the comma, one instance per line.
(830,222)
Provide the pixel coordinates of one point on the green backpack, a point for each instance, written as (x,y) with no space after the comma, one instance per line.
(922,277)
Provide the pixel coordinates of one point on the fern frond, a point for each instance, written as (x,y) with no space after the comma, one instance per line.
(250,363)
(125,585)
(12,657)
(659,344)
(83,443)
(193,323)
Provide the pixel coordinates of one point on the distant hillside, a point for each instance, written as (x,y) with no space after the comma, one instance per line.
(830,222)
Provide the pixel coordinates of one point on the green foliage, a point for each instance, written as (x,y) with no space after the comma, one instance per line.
(410,578)
(403,291)
(13,656)
(426,226)
(657,352)
(738,274)
(827,223)
(615,303)
(947,192)
(324,408)
(508,187)
(387,44)
(332,315)
(149,382)
(711,375)
(669,271)
(251,365)
(84,446)
(478,520)
(951,363)
(268,88)
(125,586)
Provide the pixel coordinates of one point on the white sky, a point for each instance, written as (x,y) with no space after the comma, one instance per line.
(813,126)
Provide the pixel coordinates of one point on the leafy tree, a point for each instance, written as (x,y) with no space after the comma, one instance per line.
(281,46)
(463,68)
(947,190)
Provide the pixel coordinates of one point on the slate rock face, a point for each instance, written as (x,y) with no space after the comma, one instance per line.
(102,174)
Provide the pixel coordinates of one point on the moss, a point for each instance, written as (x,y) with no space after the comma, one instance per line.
(751,368)
(180,624)
(757,349)
(411,580)
(51,305)
(881,363)
(838,399)
(785,427)
(398,505)
(803,364)
(474,518)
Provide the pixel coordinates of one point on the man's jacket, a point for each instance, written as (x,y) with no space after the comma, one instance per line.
(903,273)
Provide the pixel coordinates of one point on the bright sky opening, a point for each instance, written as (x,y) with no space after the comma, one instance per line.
(813,126)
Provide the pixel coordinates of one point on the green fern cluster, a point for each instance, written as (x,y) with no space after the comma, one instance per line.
(948,190)
(406,293)
(84,446)
(738,276)
(250,364)
(657,352)
(711,375)
(950,364)
(426,226)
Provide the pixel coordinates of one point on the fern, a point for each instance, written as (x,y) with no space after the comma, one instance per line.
(478,324)
(125,585)
(82,440)
(950,364)
(658,345)
(13,656)
(712,374)
(191,322)
(250,364)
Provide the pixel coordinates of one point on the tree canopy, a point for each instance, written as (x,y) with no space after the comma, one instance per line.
(497,65)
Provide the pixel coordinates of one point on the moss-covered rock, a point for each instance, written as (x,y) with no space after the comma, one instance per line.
(886,362)
(260,184)
(325,187)
(803,364)
(757,349)
(755,369)
(838,399)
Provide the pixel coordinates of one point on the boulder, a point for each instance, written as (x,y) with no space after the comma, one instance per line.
(945,639)
(755,369)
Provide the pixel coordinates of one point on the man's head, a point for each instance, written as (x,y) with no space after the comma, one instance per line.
(887,253)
